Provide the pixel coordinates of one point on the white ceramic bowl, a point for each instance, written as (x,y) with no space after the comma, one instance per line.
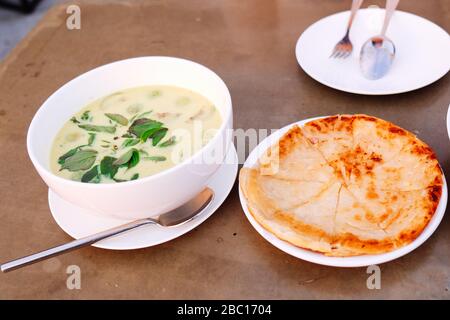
(149,196)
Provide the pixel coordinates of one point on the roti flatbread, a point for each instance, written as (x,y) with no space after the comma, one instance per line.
(345,185)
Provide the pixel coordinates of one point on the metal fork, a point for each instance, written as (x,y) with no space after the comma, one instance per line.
(344,48)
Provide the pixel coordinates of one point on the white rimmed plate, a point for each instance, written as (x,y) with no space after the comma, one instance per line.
(79,222)
(356,261)
(422,57)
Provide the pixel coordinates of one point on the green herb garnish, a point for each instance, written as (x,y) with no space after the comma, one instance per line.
(142,115)
(169,142)
(90,175)
(107,167)
(80,160)
(156,158)
(130,159)
(91,138)
(150,134)
(158,136)
(71,152)
(74,120)
(85,116)
(68,154)
(139,116)
(142,151)
(134,159)
(140,126)
(95,128)
(117,118)
(130,142)
(134,177)
(147,128)
(124,158)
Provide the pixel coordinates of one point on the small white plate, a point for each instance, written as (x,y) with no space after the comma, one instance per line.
(422,57)
(79,222)
(356,261)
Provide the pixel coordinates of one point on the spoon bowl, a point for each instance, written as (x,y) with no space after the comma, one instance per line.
(378,53)
(376,57)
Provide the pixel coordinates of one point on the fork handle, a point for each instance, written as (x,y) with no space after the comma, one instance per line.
(75,244)
(356,4)
(391,5)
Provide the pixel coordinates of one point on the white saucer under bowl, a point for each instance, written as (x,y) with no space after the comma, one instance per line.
(79,222)
(356,261)
(422,52)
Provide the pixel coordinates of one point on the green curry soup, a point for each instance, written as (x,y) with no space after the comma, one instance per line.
(132,134)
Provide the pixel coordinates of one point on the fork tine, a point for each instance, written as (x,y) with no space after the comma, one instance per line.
(340,54)
(333,53)
(343,55)
(337,53)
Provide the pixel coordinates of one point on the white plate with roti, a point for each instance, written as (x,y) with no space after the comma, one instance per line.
(345,190)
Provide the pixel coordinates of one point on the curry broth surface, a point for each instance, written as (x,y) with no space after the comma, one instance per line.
(191,120)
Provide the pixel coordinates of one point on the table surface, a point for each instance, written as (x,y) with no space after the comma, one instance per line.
(250,44)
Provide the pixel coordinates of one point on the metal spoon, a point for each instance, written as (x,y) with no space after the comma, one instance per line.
(377,53)
(181,215)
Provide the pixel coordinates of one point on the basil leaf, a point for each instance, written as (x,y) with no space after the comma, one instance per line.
(68,154)
(125,158)
(85,116)
(74,120)
(156,158)
(140,126)
(171,141)
(143,114)
(130,143)
(159,135)
(90,127)
(127,135)
(130,159)
(148,134)
(142,151)
(134,177)
(91,138)
(81,160)
(139,116)
(107,167)
(117,118)
(134,159)
(90,175)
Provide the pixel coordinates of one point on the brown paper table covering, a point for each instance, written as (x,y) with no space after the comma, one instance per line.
(250,44)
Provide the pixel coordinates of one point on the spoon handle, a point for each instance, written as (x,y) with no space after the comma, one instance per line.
(75,244)
(356,4)
(391,5)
